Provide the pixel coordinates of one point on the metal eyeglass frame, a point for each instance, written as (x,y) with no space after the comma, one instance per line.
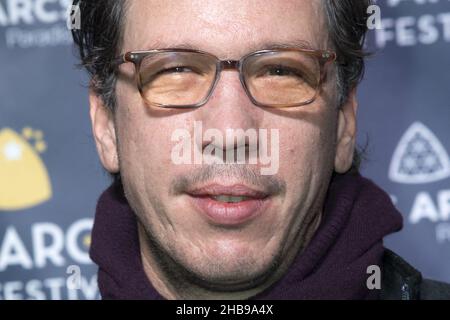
(325,57)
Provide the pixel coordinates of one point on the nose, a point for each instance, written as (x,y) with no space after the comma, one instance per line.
(229,108)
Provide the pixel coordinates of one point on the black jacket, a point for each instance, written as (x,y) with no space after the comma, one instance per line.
(400,281)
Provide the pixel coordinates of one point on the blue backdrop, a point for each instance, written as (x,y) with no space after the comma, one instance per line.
(50,176)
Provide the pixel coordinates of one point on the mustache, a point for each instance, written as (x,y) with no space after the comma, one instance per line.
(242,174)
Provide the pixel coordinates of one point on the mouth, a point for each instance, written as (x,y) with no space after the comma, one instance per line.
(229,205)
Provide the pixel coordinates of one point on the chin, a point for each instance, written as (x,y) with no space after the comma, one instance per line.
(232,266)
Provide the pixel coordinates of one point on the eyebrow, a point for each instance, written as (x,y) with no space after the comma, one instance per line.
(303,44)
(298,43)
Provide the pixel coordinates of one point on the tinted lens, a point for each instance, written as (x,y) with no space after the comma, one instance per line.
(177,78)
(281,78)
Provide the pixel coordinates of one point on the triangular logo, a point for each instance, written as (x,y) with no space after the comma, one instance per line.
(419,157)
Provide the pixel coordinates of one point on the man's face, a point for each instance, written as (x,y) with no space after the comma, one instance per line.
(219,242)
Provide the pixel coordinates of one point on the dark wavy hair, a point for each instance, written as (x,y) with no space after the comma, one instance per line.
(99,41)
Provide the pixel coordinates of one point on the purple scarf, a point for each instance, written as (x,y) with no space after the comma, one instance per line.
(357,215)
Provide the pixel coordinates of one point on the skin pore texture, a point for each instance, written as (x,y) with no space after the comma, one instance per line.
(185,255)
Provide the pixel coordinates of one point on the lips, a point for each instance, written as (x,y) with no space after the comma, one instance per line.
(229,205)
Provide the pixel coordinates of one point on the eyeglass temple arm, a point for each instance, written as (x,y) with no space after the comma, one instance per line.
(119,60)
(126,57)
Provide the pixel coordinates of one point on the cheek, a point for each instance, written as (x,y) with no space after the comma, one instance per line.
(144,142)
(307,147)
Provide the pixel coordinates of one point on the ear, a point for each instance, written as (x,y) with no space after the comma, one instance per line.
(346,135)
(104,131)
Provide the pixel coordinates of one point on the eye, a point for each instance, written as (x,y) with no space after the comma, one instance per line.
(281,71)
(179,69)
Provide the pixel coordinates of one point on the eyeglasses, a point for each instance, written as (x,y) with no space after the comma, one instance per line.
(184,78)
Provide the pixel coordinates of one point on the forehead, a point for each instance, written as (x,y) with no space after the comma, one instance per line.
(228,28)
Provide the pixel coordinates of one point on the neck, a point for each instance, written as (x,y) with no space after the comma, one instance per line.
(173,282)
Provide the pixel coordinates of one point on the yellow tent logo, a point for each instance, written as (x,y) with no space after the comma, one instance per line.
(24,180)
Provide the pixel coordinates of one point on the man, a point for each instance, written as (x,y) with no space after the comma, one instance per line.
(169,80)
